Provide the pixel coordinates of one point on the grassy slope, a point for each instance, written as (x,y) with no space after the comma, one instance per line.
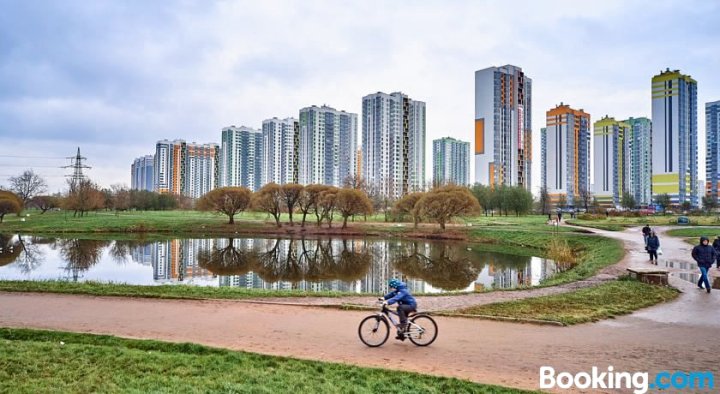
(590,304)
(36,361)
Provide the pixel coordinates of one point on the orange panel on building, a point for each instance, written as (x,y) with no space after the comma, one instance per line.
(479,136)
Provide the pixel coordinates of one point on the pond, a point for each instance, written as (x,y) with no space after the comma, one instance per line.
(318,264)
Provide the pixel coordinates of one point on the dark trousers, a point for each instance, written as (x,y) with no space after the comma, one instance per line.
(403,311)
(704,278)
(652,253)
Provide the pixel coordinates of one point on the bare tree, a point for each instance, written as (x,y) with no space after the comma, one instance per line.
(444,203)
(291,194)
(352,202)
(309,200)
(27,185)
(269,199)
(355,182)
(45,203)
(227,200)
(83,196)
(9,203)
(409,204)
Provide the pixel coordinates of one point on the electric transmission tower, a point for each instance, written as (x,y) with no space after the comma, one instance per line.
(76,163)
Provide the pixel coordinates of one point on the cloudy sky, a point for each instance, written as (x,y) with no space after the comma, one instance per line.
(113,77)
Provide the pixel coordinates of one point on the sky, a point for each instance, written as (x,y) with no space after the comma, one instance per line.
(114,77)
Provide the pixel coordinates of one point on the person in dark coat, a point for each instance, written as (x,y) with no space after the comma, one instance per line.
(646,232)
(705,255)
(653,244)
(716,246)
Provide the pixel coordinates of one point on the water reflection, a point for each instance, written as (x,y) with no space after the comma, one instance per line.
(694,278)
(356,265)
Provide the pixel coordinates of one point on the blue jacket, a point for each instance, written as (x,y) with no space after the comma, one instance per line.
(704,255)
(402,296)
(653,243)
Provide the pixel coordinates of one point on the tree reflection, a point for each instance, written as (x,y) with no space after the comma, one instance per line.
(10,249)
(81,254)
(26,255)
(448,267)
(121,250)
(228,260)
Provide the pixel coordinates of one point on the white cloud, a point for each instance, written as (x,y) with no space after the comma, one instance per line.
(123,74)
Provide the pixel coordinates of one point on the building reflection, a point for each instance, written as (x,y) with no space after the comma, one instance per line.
(347,265)
(312,264)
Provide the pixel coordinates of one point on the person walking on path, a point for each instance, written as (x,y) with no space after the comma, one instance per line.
(646,233)
(705,255)
(652,245)
(716,246)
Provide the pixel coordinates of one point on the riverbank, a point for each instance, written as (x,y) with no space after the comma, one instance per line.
(45,361)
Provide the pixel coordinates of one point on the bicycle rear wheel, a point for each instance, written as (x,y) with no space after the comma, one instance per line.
(373,331)
(423,330)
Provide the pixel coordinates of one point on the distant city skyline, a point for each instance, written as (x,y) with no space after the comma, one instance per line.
(115,78)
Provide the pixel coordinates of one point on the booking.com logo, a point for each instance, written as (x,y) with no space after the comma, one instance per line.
(638,381)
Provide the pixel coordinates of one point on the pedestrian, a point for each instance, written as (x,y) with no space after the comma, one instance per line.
(716,246)
(607,213)
(646,233)
(705,255)
(653,244)
(559,216)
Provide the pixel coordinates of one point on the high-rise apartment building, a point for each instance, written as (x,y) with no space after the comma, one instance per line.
(674,137)
(451,159)
(281,143)
(141,174)
(241,157)
(168,166)
(638,156)
(712,159)
(393,143)
(187,169)
(610,160)
(328,142)
(201,169)
(566,154)
(503,128)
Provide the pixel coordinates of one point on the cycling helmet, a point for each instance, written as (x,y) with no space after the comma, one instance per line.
(394,283)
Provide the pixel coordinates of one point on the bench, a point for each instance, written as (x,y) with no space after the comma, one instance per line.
(653,276)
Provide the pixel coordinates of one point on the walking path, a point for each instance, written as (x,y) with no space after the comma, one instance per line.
(673,336)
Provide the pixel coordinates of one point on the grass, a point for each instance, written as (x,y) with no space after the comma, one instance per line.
(592,253)
(171,291)
(604,301)
(45,361)
(710,232)
(619,223)
(161,291)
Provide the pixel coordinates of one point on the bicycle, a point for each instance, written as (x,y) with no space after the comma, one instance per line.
(374,330)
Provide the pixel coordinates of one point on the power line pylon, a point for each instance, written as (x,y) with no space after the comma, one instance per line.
(76,163)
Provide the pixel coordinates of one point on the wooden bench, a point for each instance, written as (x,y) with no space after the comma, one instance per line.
(654,276)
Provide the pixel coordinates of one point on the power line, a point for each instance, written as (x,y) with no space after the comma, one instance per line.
(33,157)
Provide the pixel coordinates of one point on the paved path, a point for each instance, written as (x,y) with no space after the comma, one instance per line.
(674,336)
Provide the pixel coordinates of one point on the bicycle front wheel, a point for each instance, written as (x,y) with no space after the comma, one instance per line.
(373,331)
(423,330)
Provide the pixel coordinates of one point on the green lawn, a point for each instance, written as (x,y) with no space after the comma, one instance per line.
(604,301)
(619,223)
(45,361)
(593,252)
(695,232)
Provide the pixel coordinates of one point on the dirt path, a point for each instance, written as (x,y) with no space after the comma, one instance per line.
(675,336)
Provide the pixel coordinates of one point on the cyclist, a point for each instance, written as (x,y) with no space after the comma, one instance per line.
(406,303)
